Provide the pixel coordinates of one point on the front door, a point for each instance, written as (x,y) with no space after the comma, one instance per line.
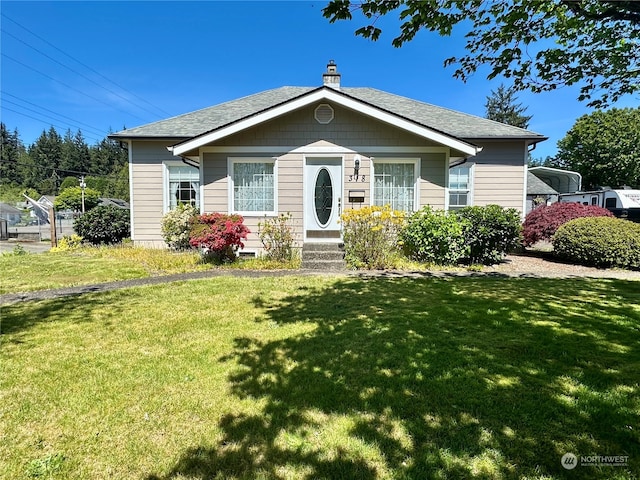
(323,199)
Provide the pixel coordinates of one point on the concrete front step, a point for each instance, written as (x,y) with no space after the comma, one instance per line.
(323,256)
(334,265)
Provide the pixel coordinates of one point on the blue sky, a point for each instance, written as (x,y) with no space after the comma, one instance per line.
(104,65)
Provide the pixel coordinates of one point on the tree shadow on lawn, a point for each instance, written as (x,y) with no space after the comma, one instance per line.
(435,378)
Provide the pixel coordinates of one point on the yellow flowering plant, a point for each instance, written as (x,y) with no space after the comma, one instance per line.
(371,236)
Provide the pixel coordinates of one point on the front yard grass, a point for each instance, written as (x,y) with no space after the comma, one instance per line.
(89,265)
(318,377)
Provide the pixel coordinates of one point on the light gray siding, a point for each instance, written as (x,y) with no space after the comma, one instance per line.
(499,175)
(433,178)
(146,202)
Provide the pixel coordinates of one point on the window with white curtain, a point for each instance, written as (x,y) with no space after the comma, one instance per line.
(394,184)
(459,186)
(253,185)
(184,185)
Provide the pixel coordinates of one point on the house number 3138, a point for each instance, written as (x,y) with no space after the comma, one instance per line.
(356,178)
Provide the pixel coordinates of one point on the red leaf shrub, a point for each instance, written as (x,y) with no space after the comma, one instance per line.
(219,235)
(542,223)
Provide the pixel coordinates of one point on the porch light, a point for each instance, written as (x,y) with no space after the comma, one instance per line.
(356,165)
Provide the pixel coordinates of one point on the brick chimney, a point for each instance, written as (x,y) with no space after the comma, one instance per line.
(332,77)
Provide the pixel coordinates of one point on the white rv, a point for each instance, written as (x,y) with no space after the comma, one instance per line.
(623,203)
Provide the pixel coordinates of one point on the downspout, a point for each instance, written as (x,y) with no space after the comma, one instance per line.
(185,160)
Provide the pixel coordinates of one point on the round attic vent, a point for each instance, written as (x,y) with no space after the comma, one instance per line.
(323,113)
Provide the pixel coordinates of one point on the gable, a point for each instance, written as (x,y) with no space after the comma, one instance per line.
(333,97)
(300,127)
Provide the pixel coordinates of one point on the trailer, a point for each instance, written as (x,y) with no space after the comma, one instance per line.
(623,203)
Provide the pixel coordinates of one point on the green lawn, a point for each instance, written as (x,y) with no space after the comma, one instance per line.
(315,377)
(29,272)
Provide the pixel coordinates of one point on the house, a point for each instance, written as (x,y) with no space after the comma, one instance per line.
(114,202)
(10,213)
(315,151)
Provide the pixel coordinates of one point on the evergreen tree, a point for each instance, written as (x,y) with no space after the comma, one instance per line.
(107,156)
(75,153)
(46,154)
(10,152)
(501,106)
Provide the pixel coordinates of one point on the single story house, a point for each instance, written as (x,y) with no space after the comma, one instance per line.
(315,151)
(114,202)
(10,213)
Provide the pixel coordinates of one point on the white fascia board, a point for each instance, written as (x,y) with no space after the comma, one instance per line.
(327,149)
(326,95)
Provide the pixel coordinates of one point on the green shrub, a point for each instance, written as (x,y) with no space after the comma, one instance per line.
(277,237)
(370,236)
(104,224)
(599,242)
(490,232)
(176,225)
(218,236)
(433,236)
(542,222)
(72,199)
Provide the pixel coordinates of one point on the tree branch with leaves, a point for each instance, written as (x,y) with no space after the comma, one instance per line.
(540,44)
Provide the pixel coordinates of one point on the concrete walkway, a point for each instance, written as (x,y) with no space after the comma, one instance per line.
(515,266)
(10,298)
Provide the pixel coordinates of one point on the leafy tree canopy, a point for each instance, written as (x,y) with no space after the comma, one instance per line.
(540,44)
(502,107)
(603,148)
(71,199)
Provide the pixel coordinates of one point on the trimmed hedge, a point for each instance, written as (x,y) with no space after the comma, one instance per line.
(599,242)
(433,236)
(541,223)
(490,232)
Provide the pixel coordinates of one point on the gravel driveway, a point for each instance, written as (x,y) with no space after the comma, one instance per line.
(540,264)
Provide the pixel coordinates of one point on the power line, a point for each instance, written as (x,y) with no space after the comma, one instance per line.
(44,121)
(69,86)
(79,74)
(96,131)
(86,66)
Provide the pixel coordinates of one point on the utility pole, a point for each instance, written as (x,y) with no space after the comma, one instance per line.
(82,186)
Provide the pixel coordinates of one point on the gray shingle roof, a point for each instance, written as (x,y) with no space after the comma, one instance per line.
(450,122)
(535,186)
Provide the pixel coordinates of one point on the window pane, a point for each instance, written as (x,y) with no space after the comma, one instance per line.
(253,187)
(459,186)
(184,185)
(394,184)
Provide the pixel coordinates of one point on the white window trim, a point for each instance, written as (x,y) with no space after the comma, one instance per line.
(470,203)
(416,175)
(166,201)
(250,213)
